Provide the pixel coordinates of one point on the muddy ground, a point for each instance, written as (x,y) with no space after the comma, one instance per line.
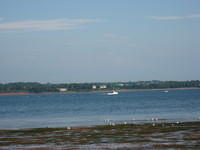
(161,136)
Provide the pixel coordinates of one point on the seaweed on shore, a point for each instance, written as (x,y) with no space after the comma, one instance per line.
(159,136)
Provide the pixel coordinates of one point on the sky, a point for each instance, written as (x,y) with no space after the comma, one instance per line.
(99,40)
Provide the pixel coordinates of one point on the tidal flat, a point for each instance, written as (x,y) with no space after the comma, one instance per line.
(161,136)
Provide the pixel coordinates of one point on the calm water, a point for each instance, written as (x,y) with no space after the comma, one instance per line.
(58,110)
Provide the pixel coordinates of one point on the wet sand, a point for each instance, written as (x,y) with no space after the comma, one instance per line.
(130,136)
(14,93)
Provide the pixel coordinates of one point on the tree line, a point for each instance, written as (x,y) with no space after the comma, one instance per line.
(36,87)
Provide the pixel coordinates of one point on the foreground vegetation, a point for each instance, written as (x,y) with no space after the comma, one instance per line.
(35,87)
(130,136)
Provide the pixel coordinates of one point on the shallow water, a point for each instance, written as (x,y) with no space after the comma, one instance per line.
(86,109)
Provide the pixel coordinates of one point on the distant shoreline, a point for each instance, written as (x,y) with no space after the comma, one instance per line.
(97,91)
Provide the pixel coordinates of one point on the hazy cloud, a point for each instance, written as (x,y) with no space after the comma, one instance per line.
(70,44)
(194,16)
(52,24)
(174,17)
(115,36)
(110,35)
(166,17)
(1,18)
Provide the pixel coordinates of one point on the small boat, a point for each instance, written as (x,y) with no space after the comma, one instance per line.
(166,91)
(113,93)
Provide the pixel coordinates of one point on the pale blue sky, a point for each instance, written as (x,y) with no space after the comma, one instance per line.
(99,40)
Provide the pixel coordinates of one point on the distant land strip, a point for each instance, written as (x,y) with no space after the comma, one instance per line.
(23,88)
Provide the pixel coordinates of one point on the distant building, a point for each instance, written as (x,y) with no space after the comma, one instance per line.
(94,87)
(62,89)
(121,84)
(102,86)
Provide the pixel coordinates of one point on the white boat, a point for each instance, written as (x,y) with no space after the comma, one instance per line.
(113,93)
(166,91)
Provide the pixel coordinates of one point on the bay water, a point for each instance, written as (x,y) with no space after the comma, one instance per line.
(88,109)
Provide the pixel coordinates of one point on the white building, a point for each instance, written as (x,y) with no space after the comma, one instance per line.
(62,89)
(94,87)
(103,87)
(121,84)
